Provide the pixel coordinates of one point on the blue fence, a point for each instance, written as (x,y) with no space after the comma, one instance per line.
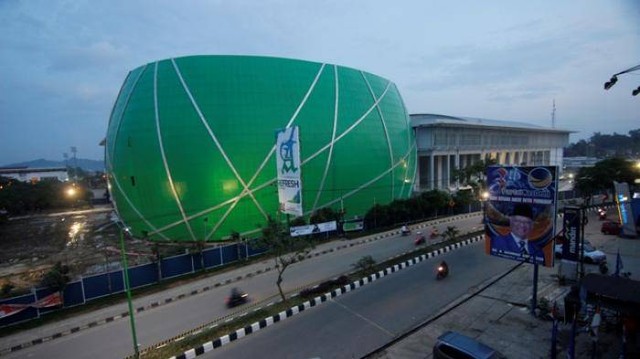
(105,284)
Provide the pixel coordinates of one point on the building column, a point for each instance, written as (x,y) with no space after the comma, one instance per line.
(440,176)
(458,160)
(431,167)
(416,181)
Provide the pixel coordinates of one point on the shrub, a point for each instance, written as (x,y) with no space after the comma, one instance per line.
(6,288)
(325,287)
(365,264)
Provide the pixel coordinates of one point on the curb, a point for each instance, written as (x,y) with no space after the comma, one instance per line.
(240,333)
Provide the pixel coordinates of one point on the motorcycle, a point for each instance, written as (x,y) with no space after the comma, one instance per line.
(405,231)
(434,234)
(419,239)
(236,298)
(442,271)
(602,214)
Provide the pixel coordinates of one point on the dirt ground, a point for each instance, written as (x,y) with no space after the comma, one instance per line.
(85,240)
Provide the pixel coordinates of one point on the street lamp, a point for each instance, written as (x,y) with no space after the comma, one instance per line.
(71,191)
(609,84)
(125,269)
(484,198)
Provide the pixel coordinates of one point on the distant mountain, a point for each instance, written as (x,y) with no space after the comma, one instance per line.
(85,164)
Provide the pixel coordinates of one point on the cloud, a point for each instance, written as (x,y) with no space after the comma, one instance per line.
(96,55)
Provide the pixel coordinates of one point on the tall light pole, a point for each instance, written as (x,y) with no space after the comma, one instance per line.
(127,287)
(74,150)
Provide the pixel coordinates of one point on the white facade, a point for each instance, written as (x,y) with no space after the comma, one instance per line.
(445,143)
(35,174)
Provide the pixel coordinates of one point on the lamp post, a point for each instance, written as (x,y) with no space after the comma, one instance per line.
(609,84)
(484,197)
(132,320)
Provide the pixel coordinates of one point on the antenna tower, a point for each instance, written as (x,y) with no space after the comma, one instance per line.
(553,114)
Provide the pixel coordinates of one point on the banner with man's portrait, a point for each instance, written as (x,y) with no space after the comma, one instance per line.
(520,213)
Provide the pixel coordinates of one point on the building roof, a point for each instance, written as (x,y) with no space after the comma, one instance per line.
(427,119)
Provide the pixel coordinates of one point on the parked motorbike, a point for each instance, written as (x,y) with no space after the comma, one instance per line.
(420,239)
(442,271)
(236,298)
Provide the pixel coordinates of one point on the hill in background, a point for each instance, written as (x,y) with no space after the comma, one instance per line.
(85,164)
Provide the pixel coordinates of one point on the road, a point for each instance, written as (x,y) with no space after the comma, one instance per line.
(354,324)
(113,340)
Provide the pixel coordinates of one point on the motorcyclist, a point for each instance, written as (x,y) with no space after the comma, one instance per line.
(235,293)
(404,230)
(237,297)
(445,268)
(434,232)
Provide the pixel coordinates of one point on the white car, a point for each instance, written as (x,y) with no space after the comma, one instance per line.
(589,253)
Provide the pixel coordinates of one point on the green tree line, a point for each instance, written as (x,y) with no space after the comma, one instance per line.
(20,198)
(602,145)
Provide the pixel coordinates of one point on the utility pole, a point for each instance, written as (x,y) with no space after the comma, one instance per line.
(74,150)
(66,163)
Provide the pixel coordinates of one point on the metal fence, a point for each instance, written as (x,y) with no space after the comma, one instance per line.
(110,283)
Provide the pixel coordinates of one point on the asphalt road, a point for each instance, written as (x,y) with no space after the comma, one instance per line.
(113,340)
(360,321)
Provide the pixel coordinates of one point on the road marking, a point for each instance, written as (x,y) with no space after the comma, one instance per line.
(364,318)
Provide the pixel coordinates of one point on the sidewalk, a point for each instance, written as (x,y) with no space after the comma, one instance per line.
(500,318)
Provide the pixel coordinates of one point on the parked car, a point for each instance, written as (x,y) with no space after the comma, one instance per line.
(453,345)
(611,227)
(589,254)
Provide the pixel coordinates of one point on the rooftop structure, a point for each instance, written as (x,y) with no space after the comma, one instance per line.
(445,143)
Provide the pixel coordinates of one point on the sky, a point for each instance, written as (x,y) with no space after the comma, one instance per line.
(62,63)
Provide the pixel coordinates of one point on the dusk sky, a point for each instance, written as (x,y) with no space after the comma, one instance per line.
(63,62)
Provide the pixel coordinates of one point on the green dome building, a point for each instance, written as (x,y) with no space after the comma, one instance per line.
(191,140)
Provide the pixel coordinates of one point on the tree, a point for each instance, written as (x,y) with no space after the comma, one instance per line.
(435,200)
(473,175)
(325,214)
(463,198)
(451,233)
(603,145)
(365,265)
(57,277)
(592,180)
(285,249)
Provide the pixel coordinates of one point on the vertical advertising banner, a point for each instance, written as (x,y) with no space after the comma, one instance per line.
(623,200)
(288,167)
(520,213)
(572,228)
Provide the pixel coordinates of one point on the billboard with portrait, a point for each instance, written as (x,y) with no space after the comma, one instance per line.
(519,215)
